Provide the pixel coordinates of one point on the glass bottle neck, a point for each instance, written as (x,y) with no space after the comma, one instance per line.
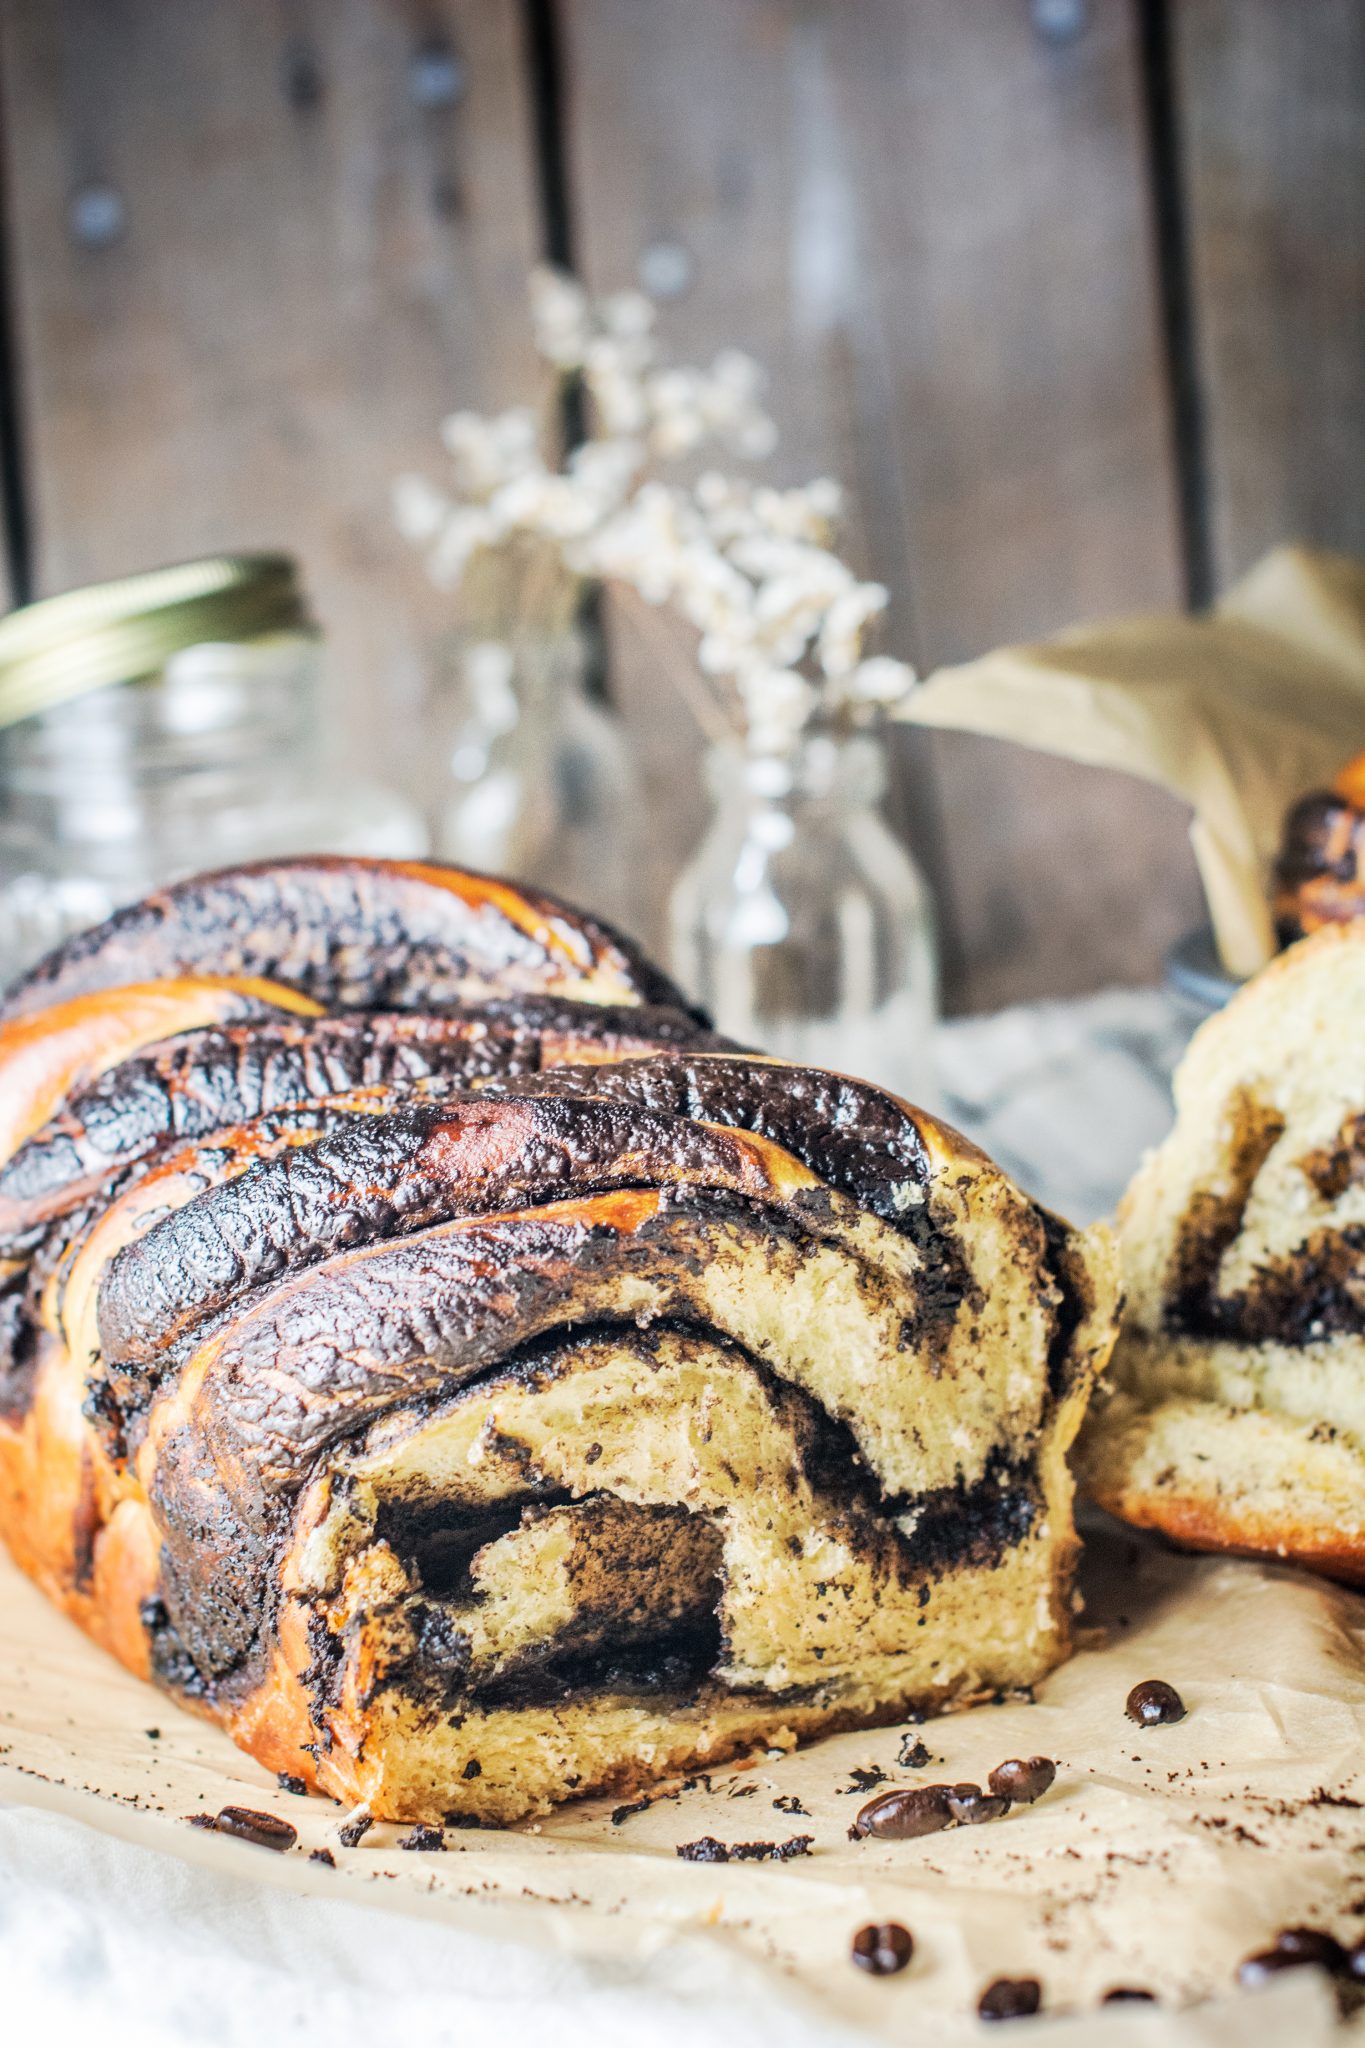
(822,772)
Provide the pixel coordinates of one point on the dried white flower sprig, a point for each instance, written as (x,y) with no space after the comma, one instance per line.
(782,621)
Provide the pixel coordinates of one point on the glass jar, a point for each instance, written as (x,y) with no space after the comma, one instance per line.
(158,743)
(538,779)
(802,925)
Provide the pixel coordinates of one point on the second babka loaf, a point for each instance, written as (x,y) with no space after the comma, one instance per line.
(1234,1415)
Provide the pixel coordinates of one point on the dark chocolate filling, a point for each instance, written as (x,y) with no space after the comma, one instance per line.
(1316,1291)
(221,1626)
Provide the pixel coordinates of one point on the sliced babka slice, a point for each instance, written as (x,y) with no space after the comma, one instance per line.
(1235,1413)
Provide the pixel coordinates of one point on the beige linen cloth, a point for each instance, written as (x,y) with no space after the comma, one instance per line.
(1238,713)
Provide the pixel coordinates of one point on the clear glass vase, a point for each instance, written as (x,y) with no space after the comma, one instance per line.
(802,925)
(538,782)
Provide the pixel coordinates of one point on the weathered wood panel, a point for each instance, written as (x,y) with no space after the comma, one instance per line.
(258,249)
(932,223)
(1272,111)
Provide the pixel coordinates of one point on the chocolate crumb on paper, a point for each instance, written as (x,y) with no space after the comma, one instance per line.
(706,1849)
(621,1814)
(351,1832)
(323,1856)
(865,1779)
(423,1837)
(772,1852)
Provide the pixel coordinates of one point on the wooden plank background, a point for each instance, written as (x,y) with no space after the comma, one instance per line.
(1068,292)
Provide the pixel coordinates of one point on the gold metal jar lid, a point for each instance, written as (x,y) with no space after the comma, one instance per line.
(124,631)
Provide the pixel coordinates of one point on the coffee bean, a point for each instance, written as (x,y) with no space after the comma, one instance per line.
(1023,1782)
(1154,1704)
(267,1830)
(883,1950)
(1311,1945)
(968,1804)
(900,1816)
(1268,1963)
(1128,1994)
(1011,1998)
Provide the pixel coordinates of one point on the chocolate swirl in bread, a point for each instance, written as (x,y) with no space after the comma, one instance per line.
(1235,1413)
(470,1408)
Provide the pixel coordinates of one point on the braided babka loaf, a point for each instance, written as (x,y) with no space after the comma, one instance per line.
(431,1352)
(1234,1416)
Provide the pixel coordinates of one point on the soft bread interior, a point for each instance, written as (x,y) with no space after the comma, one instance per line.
(1235,1411)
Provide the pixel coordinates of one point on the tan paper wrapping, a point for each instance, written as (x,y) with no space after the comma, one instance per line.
(1160,1858)
(1238,713)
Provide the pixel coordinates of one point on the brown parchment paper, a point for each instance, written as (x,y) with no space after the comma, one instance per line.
(1238,713)
(1160,1858)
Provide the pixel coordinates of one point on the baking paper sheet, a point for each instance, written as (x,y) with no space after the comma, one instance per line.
(1160,1858)
(1239,713)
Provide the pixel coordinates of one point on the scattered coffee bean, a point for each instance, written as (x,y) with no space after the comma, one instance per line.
(1268,1963)
(883,1950)
(349,1834)
(900,1816)
(1312,1945)
(706,1849)
(423,1837)
(266,1830)
(968,1804)
(1128,1994)
(322,1856)
(1154,1704)
(287,1782)
(1023,1782)
(1011,1998)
